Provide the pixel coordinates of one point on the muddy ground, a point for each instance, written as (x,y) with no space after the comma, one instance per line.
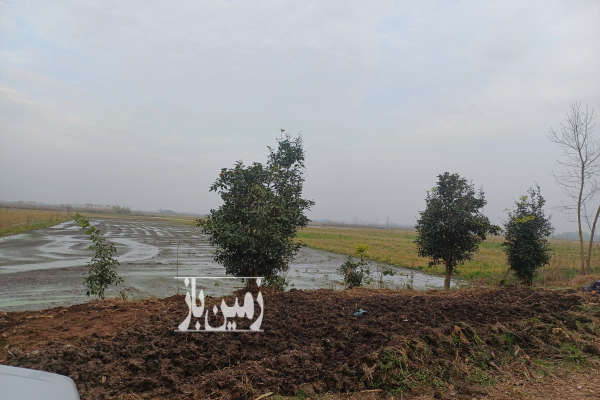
(408,342)
(44,268)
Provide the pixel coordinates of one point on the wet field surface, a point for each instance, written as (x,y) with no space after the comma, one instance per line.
(45,268)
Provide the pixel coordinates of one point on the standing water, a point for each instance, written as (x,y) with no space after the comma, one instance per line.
(45,268)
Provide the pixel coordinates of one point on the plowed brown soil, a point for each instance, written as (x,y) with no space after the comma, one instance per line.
(120,349)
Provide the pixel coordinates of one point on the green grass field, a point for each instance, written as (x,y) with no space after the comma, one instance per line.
(397,247)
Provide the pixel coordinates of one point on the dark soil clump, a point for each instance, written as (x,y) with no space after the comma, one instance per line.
(406,341)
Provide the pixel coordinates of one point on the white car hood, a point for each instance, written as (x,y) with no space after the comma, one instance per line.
(30,384)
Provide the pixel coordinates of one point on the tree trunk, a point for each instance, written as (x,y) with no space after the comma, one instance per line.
(448,277)
(590,244)
(581,252)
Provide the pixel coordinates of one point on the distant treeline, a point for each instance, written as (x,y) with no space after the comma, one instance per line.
(88,207)
(574,236)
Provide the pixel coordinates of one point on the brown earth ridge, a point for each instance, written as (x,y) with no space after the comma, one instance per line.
(444,344)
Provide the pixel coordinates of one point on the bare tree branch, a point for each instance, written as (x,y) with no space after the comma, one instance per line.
(579,169)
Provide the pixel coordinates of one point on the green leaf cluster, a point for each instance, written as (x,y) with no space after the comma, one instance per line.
(526,236)
(102,270)
(356,273)
(254,228)
(452,225)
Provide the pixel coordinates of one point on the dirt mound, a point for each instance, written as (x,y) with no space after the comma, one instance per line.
(311,341)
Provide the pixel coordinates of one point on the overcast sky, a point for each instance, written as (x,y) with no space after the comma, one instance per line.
(141,103)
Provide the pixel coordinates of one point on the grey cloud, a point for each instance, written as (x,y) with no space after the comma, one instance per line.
(141,103)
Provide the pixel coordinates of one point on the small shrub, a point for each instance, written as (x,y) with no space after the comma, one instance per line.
(356,273)
(526,238)
(102,268)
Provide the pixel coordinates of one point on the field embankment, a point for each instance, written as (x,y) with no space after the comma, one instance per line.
(397,247)
(447,345)
(16,220)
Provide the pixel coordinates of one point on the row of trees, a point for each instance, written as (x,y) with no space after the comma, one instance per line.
(452,226)
(254,229)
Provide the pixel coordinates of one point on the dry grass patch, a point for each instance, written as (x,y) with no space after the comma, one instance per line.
(13,220)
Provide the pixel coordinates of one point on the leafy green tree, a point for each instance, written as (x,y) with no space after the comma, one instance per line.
(356,273)
(452,226)
(526,236)
(254,229)
(102,270)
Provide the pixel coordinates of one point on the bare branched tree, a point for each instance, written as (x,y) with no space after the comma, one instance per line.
(579,171)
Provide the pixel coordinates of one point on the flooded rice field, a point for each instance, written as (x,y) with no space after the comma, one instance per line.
(44,268)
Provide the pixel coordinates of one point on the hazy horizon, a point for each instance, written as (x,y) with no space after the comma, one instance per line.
(141,104)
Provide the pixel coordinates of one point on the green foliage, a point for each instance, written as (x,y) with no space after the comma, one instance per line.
(254,229)
(276,282)
(356,273)
(102,268)
(572,353)
(452,226)
(526,236)
(123,295)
